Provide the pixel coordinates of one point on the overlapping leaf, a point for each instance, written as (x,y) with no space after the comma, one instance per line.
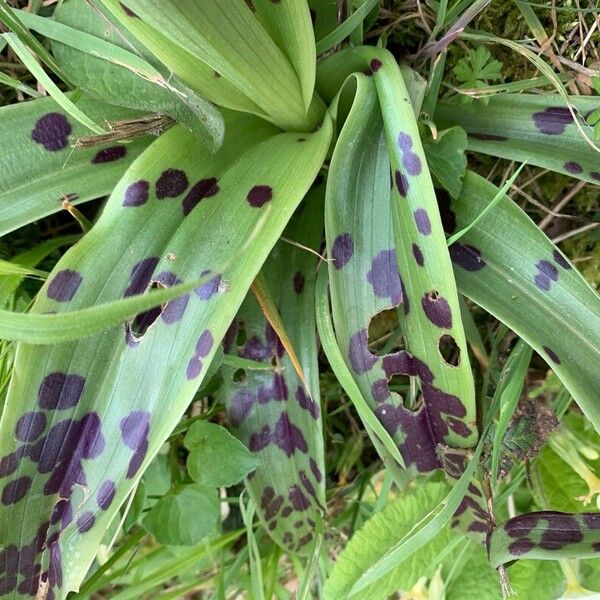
(271,409)
(365,278)
(509,267)
(76,436)
(539,129)
(222,39)
(39,168)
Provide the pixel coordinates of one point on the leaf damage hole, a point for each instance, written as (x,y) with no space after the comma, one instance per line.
(449,350)
(139,325)
(384,332)
(239,376)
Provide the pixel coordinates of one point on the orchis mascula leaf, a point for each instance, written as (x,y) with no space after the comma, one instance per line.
(509,267)
(39,169)
(97,58)
(272,411)
(365,278)
(222,39)
(537,129)
(75,438)
(545,535)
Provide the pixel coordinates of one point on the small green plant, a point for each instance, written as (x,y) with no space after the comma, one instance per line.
(289,267)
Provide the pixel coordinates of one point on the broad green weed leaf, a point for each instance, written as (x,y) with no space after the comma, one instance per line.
(446,158)
(185,516)
(538,129)
(216,458)
(475,580)
(39,167)
(527,283)
(378,535)
(272,411)
(75,439)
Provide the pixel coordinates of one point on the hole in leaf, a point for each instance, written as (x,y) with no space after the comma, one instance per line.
(240,340)
(239,376)
(140,323)
(399,384)
(384,333)
(449,350)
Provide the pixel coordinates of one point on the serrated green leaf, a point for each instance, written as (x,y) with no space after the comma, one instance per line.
(216,458)
(185,516)
(378,535)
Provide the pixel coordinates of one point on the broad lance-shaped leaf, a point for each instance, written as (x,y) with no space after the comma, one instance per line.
(289,25)
(271,410)
(225,36)
(98,58)
(538,129)
(365,280)
(545,535)
(39,168)
(83,419)
(508,266)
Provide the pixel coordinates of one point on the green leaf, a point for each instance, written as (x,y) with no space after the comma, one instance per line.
(94,54)
(147,235)
(537,129)
(378,535)
(226,37)
(185,516)
(36,178)
(216,458)
(446,158)
(526,282)
(274,412)
(477,580)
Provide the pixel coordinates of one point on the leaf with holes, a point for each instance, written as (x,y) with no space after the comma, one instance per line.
(271,411)
(75,438)
(366,277)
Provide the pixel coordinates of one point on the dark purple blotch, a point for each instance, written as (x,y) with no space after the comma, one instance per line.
(298,282)
(30,426)
(306,402)
(106,494)
(418,255)
(298,500)
(551,355)
(384,276)
(375,65)
(14,491)
(136,194)
(437,309)
(64,285)
(208,289)
(171,184)
(59,391)
(552,120)
(141,275)
(110,155)
(359,355)
(342,250)
(52,131)
(573,167)
(259,195)
(466,256)
(135,428)
(560,260)
(205,188)
(422,221)
(85,521)
(401,183)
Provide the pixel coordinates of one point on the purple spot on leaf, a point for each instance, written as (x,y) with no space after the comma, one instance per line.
(64,285)
(109,155)
(52,131)
(171,184)
(465,256)
(552,120)
(59,391)
(437,309)
(259,195)
(30,426)
(205,188)
(359,355)
(137,193)
(422,221)
(384,276)
(342,250)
